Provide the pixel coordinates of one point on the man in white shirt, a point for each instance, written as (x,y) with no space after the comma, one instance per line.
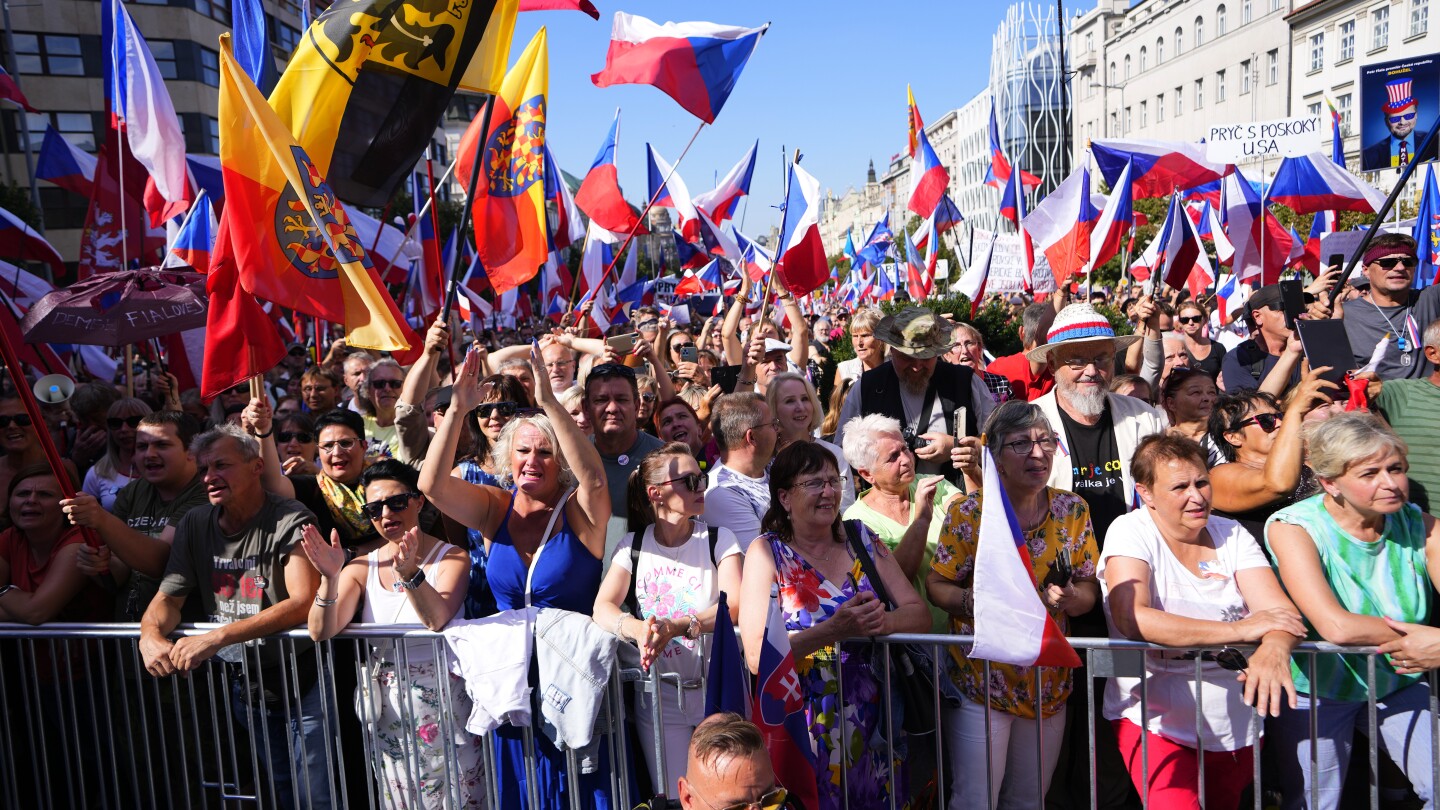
(739,492)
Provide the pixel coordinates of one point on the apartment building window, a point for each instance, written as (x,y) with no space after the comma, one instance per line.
(1199,93)
(1220,21)
(49,54)
(1115,124)
(1199,31)
(283,38)
(1380,28)
(63,208)
(1127,120)
(1347,41)
(1245,77)
(1179,102)
(1245,12)
(1272,67)
(1313,110)
(164,52)
(1419,17)
(202,133)
(1160,51)
(1274,5)
(1317,50)
(1113,76)
(1127,65)
(1179,41)
(214,9)
(1144,58)
(1342,103)
(78,128)
(209,63)
(1219,87)
(1089,41)
(1144,114)
(1160,108)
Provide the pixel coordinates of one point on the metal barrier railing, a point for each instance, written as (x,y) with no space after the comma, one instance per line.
(83,725)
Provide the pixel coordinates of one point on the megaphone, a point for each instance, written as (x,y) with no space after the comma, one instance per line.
(53,389)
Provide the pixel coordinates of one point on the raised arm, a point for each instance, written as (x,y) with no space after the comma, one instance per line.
(1240,487)
(799,328)
(475,506)
(258,420)
(1277,382)
(592,494)
(730,329)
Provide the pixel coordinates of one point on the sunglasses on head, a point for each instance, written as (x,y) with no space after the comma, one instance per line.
(1267,422)
(395,503)
(695,482)
(383,384)
(1389,263)
(20,420)
(283,436)
(505,409)
(117,422)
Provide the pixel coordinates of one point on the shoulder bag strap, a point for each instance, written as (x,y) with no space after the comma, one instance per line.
(714,541)
(544,539)
(867,564)
(631,604)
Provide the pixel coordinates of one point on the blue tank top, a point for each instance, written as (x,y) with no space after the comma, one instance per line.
(567,575)
(479,602)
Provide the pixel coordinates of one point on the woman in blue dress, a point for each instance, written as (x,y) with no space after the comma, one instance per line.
(546,463)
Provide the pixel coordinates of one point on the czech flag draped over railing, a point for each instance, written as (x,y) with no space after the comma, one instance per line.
(695,63)
(600,196)
(1313,182)
(802,264)
(65,165)
(1062,225)
(1157,167)
(720,202)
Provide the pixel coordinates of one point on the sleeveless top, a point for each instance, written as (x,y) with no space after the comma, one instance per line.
(479,602)
(567,575)
(383,605)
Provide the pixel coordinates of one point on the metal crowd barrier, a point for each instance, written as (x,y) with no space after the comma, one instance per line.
(83,725)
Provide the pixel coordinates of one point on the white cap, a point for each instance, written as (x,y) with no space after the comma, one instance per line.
(773,345)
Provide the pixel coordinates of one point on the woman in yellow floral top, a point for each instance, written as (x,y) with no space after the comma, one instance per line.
(1063,553)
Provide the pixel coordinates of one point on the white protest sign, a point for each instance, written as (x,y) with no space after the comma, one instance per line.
(942,268)
(665,289)
(1007,267)
(1282,137)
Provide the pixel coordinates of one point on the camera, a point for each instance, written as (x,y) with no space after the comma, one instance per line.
(912,441)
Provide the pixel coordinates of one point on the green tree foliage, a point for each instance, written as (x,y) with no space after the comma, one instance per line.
(16,200)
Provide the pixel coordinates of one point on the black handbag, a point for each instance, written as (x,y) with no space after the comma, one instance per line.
(911,676)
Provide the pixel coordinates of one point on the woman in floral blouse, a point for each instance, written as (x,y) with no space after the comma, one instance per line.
(1063,553)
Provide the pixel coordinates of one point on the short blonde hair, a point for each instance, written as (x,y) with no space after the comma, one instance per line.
(500,454)
(866,318)
(1333,445)
(772,396)
(570,397)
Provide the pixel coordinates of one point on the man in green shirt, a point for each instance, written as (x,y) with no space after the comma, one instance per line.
(1411,407)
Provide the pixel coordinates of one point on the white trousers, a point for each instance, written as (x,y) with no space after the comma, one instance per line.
(1024,749)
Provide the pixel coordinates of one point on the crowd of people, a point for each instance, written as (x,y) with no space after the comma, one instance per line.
(1195,484)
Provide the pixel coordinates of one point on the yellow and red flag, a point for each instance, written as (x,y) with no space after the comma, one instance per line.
(294,244)
(510,200)
(912,121)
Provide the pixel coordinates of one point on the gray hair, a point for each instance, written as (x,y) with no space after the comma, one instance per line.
(514,362)
(732,415)
(1333,445)
(1031,320)
(500,453)
(1432,334)
(1015,416)
(365,397)
(205,442)
(570,397)
(961,326)
(858,438)
(365,357)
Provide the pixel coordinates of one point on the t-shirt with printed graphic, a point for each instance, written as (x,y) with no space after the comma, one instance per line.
(737,502)
(1097,470)
(143,509)
(236,576)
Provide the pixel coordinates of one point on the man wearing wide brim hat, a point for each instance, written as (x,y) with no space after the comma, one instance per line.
(1098,430)
(921,391)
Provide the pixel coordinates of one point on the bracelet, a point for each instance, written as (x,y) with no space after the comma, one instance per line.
(619,624)
(324,603)
(693,631)
(265,435)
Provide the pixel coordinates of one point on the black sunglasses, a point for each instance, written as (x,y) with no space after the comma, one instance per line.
(506,409)
(613,370)
(20,420)
(1268,422)
(1191,319)
(395,503)
(383,384)
(117,422)
(1231,659)
(301,436)
(695,482)
(1389,264)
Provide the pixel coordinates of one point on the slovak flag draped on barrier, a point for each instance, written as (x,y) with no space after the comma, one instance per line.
(1157,167)
(1062,225)
(780,710)
(1011,623)
(599,195)
(720,202)
(802,265)
(695,63)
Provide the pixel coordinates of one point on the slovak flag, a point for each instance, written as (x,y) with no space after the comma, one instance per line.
(1314,182)
(1116,221)
(65,165)
(999,172)
(195,238)
(719,203)
(667,190)
(1011,623)
(931,179)
(1062,225)
(780,711)
(695,63)
(599,195)
(1157,167)
(802,265)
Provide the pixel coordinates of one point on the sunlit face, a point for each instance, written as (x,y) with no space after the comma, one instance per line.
(385,382)
(669,490)
(356,367)
(492,419)
(914,374)
(1180,496)
(967,351)
(792,408)
(533,464)
(559,366)
(159,453)
(391,524)
(894,466)
(527,380)
(227,476)
(1251,432)
(612,406)
(870,351)
(342,453)
(646,407)
(35,505)
(582,419)
(1174,355)
(1025,471)
(319,393)
(293,441)
(677,424)
(1396,278)
(814,496)
(1375,485)
(1190,321)
(775,362)
(1089,378)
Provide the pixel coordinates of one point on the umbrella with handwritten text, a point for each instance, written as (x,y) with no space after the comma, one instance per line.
(114,309)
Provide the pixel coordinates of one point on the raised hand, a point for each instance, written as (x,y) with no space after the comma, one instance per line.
(327,558)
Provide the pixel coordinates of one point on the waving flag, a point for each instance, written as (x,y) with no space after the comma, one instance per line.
(1063,224)
(688,255)
(694,283)
(931,179)
(877,245)
(917,280)
(757,260)
(1248,224)
(945,217)
(849,250)
(598,255)
(802,264)
(561,5)
(695,63)
(486,71)
(10,91)
(1321,224)
(20,243)
(140,108)
(240,339)
(1313,182)
(252,43)
(1227,287)
(1209,228)
(293,241)
(63,164)
(1182,259)
(913,123)
(1337,141)
(884,284)
(599,195)
(510,230)
(1157,167)
(196,237)
(669,191)
(1011,623)
(1426,232)
(720,202)
(780,710)
(1206,192)
(568,228)
(1012,207)
(999,172)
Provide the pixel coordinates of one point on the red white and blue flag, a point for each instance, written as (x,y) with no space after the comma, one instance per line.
(20,243)
(10,91)
(65,164)
(1012,207)
(1157,167)
(195,238)
(1116,222)
(757,261)
(1207,224)
(1011,623)
(694,283)
(802,264)
(720,202)
(1062,225)
(1426,232)
(780,711)
(567,228)
(1246,224)
(931,179)
(999,172)
(1208,192)
(599,195)
(695,63)
(1182,259)
(1313,182)
(917,277)
(667,190)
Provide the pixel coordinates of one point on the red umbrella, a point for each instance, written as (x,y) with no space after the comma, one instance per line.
(119,308)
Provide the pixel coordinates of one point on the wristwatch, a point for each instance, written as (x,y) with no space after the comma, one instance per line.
(693,631)
(415,581)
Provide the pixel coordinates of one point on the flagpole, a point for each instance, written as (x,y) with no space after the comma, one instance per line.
(467,214)
(779,248)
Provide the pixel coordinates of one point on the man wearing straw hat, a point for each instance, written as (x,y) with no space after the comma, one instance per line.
(1400,110)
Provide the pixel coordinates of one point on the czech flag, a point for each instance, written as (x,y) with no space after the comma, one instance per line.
(1157,167)
(698,283)
(1247,223)
(917,280)
(1313,182)
(1116,221)
(972,283)
(1011,623)
(757,261)
(10,91)
(802,264)
(65,165)
(599,195)
(667,190)
(877,245)
(695,63)
(1208,192)
(1062,226)
(196,237)
(931,179)
(1208,226)
(780,711)
(689,256)
(1012,207)
(720,202)
(999,172)
(20,243)
(568,228)
(1182,258)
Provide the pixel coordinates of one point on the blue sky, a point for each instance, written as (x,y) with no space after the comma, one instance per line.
(828,78)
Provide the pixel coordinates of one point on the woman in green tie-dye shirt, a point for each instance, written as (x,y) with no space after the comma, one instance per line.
(1355,559)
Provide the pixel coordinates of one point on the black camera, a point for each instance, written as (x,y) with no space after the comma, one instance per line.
(913,441)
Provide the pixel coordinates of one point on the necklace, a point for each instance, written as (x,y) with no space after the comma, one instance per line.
(1402,338)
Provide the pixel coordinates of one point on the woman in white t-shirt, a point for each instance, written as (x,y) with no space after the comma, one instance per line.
(1172,574)
(662,592)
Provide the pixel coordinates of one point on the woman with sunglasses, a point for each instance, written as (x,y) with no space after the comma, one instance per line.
(1357,559)
(1188,397)
(297,444)
(662,592)
(414,578)
(377,399)
(796,406)
(825,597)
(19,444)
(1192,321)
(645,406)
(553,499)
(1263,454)
(1176,575)
(115,469)
(1016,708)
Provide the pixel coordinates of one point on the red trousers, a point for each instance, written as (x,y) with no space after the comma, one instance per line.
(1174,773)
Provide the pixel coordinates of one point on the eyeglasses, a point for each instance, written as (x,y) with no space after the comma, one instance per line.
(506,409)
(681,346)
(1191,319)
(559,364)
(20,420)
(774,800)
(1395,119)
(383,384)
(613,370)
(339,444)
(117,422)
(301,436)
(1268,422)
(1024,447)
(695,482)
(1390,262)
(774,423)
(1101,361)
(815,486)
(395,503)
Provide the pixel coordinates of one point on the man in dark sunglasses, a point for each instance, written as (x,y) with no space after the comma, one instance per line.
(729,768)
(1392,310)
(1399,110)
